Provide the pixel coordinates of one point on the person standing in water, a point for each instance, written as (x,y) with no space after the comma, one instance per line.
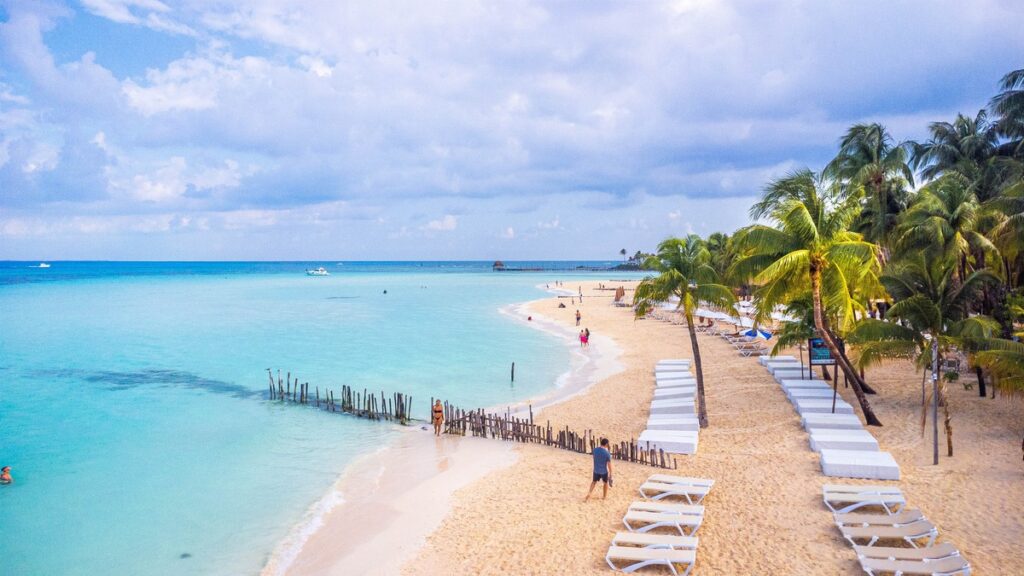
(438,417)
(586,337)
(5,475)
(602,469)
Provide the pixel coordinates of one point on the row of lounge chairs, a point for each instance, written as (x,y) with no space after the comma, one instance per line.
(895,523)
(672,425)
(640,547)
(846,448)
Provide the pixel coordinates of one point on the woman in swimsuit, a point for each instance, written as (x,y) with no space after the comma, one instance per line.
(5,475)
(438,417)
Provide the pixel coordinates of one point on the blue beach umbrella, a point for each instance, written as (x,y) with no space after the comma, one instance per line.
(758,333)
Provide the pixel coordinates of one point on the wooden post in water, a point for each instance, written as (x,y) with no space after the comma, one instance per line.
(513,371)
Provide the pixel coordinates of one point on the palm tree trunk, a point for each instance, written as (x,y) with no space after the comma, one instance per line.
(841,361)
(947,419)
(863,383)
(981,381)
(702,413)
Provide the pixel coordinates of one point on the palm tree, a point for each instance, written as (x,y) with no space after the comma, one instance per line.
(929,316)
(623,254)
(1009,104)
(812,249)
(684,271)
(967,146)
(943,221)
(870,167)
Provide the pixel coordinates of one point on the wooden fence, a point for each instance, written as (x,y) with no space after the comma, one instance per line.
(515,429)
(508,427)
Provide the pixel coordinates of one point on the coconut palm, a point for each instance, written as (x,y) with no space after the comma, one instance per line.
(684,271)
(929,316)
(943,221)
(967,146)
(1009,104)
(811,249)
(871,167)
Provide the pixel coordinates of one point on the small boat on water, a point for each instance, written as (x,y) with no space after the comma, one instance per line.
(321,271)
(43,265)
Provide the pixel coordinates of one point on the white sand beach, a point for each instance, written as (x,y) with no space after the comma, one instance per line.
(765,513)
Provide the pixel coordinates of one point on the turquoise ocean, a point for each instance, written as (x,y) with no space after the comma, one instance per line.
(133,406)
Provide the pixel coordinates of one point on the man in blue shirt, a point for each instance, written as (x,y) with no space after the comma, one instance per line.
(602,469)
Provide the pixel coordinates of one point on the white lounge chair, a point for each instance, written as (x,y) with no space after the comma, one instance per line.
(859,464)
(646,540)
(674,406)
(831,422)
(912,533)
(641,521)
(649,506)
(855,497)
(679,422)
(953,565)
(673,441)
(843,440)
(673,479)
(905,516)
(659,490)
(764,359)
(937,552)
(641,557)
(675,392)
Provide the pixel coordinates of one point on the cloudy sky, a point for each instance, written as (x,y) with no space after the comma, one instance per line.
(226,129)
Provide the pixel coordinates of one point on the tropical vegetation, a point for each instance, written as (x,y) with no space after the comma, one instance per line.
(892,249)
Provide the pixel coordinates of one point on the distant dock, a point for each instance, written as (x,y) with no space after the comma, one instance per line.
(500,266)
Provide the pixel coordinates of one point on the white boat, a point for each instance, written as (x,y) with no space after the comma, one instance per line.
(321,271)
(43,265)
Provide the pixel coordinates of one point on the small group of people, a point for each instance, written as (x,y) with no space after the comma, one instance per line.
(585,338)
(5,475)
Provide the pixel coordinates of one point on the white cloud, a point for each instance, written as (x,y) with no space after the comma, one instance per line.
(508,233)
(125,12)
(637,117)
(444,224)
(316,66)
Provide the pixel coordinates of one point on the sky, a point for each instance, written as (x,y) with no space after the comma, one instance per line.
(278,130)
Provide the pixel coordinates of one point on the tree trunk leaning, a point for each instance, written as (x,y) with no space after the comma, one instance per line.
(702,413)
(841,362)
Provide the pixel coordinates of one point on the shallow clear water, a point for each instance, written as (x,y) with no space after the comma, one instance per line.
(133,409)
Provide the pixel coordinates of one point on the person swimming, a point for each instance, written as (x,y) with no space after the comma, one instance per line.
(5,475)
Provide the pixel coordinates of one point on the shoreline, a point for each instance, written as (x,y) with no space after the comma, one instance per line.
(765,513)
(405,488)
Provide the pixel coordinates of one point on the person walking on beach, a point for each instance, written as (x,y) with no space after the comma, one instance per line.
(602,469)
(5,475)
(586,337)
(578,316)
(438,417)
(583,339)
